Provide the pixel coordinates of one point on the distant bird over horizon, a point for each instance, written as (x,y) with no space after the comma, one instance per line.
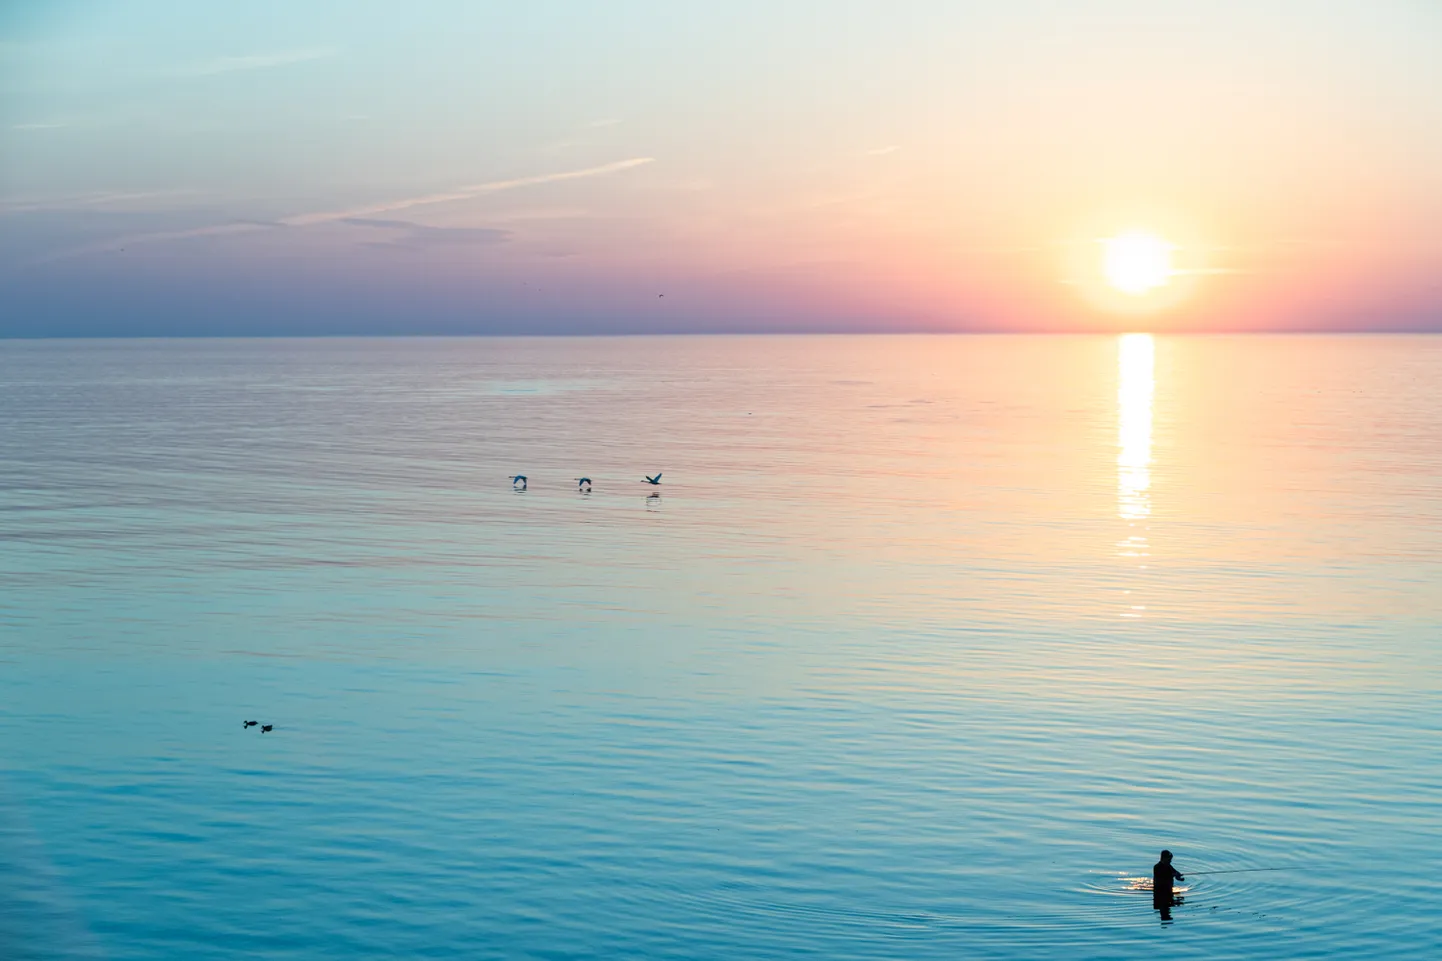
(653,480)
(518,482)
(583,483)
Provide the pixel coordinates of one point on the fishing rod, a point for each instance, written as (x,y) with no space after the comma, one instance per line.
(1239,871)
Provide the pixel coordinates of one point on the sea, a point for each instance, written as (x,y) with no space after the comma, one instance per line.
(922,647)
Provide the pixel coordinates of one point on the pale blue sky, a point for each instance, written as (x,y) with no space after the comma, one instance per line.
(187,167)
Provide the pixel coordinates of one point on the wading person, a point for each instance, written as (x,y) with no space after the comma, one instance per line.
(1163,874)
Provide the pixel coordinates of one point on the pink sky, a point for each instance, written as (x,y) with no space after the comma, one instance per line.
(826,166)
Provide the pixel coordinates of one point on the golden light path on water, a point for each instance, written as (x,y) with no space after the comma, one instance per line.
(1136,385)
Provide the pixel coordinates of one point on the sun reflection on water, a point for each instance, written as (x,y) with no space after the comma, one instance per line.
(1136,363)
(1135,386)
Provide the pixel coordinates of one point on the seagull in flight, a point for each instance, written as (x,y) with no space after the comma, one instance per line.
(583,484)
(519,482)
(653,481)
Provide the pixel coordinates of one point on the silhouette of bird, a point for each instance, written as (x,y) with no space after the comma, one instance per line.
(583,483)
(653,480)
(519,482)
(251,723)
(264,728)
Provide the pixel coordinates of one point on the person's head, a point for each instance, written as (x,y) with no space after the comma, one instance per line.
(1166,855)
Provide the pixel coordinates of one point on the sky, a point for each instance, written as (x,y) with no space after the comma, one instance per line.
(169,167)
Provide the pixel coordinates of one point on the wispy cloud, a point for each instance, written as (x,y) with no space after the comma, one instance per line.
(416,236)
(38,126)
(464,193)
(256,61)
(351,214)
(518,215)
(86,201)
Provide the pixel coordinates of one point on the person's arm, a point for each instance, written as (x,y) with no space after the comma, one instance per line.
(1178,875)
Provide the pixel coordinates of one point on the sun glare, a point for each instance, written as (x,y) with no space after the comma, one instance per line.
(1136,262)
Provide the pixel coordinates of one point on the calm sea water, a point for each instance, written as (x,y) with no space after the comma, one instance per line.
(922,649)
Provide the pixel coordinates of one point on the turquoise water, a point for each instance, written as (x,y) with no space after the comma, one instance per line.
(924,648)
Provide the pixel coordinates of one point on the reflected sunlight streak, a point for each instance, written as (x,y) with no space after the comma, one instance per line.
(1134,433)
(1135,386)
(1136,356)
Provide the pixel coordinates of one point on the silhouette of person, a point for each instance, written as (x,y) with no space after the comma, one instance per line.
(1163,874)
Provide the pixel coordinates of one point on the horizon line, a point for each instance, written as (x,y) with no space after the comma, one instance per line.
(1180,332)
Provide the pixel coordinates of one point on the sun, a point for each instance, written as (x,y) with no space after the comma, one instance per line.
(1136,262)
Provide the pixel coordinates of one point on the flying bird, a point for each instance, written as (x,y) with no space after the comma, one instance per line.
(583,483)
(251,723)
(653,480)
(519,482)
(264,728)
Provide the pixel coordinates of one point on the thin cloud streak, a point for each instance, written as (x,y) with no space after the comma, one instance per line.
(414,236)
(463,193)
(259,61)
(332,216)
(84,201)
